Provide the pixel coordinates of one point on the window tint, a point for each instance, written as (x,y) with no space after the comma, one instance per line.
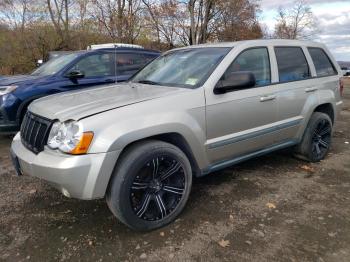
(292,64)
(128,63)
(256,61)
(322,63)
(96,65)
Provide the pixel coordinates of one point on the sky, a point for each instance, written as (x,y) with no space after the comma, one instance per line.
(333,19)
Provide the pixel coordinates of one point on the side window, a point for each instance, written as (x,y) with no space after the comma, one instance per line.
(128,63)
(323,64)
(255,60)
(292,64)
(96,65)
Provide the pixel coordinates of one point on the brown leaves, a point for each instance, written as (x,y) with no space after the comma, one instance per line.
(308,168)
(224,243)
(271,205)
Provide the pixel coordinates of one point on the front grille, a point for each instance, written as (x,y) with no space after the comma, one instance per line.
(34,132)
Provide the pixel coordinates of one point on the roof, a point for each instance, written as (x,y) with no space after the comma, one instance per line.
(113,45)
(257,43)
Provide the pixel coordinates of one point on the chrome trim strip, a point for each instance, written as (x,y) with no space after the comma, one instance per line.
(229,162)
(254,134)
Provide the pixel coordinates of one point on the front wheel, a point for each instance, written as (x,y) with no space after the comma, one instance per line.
(317,138)
(150,186)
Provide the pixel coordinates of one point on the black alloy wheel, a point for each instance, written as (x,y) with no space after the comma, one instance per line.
(321,138)
(158,188)
(317,138)
(150,185)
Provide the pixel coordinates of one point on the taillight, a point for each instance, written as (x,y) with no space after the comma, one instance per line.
(341,87)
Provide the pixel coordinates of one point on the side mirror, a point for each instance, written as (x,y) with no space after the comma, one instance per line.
(235,81)
(75,74)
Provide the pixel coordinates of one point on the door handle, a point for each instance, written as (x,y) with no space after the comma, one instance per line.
(310,89)
(267,98)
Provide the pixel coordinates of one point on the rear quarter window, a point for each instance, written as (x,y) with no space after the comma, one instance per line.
(323,64)
(292,64)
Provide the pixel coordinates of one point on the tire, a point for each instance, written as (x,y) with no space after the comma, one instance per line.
(150,185)
(317,138)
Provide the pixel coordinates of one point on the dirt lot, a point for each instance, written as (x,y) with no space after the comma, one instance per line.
(274,208)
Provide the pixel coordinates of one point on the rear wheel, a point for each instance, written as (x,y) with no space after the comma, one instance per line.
(317,138)
(150,185)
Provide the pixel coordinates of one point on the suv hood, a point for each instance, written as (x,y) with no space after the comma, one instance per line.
(80,104)
(10,80)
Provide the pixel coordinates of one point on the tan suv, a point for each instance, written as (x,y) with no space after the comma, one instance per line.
(192,111)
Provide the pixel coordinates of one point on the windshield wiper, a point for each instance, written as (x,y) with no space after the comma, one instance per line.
(148,82)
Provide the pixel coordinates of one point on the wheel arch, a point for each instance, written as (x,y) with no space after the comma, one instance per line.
(173,138)
(326,108)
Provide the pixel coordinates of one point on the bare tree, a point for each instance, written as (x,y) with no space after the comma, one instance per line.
(297,22)
(15,13)
(238,21)
(201,14)
(167,20)
(59,14)
(120,19)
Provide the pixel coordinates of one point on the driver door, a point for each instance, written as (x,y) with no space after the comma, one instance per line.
(97,69)
(242,121)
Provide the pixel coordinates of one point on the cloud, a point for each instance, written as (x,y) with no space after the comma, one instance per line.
(266,4)
(333,19)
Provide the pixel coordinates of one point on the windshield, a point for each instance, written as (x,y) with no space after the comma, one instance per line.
(51,67)
(187,68)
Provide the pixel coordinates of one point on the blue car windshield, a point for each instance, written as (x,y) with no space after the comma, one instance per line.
(51,67)
(187,68)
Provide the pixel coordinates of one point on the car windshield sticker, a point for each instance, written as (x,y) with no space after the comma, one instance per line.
(191,81)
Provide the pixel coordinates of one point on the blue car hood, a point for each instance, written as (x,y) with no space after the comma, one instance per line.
(19,79)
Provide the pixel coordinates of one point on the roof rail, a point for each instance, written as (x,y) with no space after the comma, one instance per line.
(113,45)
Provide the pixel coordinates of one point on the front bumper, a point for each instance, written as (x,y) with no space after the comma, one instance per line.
(83,176)
(7,126)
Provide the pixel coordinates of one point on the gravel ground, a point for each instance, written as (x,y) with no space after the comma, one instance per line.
(273,208)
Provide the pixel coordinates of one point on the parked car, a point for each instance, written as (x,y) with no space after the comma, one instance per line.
(346,71)
(190,112)
(70,71)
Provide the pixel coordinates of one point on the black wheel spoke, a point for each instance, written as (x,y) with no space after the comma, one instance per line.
(172,170)
(139,185)
(158,188)
(155,163)
(323,143)
(324,131)
(161,205)
(144,205)
(318,150)
(174,190)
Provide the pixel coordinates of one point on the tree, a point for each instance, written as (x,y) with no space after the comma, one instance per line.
(201,14)
(120,19)
(238,21)
(59,14)
(297,22)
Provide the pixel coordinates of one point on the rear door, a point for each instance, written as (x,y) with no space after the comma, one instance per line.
(128,63)
(242,121)
(295,88)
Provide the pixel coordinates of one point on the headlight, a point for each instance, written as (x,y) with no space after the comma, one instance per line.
(4,90)
(69,137)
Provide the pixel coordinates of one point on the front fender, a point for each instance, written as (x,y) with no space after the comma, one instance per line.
(124,131)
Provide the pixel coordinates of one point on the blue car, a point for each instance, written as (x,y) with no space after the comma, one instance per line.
(67,72)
